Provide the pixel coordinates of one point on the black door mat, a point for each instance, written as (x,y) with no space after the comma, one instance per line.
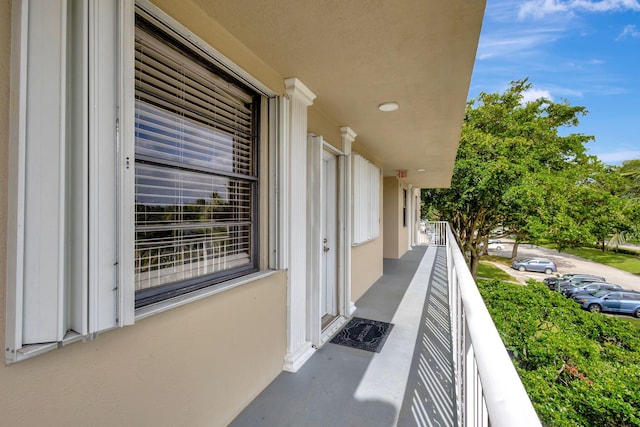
(364,334)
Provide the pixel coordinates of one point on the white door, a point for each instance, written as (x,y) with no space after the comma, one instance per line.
(329,216)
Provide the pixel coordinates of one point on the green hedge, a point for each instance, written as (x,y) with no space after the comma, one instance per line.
(579,368)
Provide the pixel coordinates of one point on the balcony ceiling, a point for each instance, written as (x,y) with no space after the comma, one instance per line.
(357,54)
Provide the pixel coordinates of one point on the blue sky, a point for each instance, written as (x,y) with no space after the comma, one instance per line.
(585,52)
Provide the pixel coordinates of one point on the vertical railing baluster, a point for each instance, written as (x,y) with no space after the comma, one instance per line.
(479,353)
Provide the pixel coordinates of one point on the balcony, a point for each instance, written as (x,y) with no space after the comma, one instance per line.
(443,363)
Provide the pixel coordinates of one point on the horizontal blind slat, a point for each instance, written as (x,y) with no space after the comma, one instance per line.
(172,56)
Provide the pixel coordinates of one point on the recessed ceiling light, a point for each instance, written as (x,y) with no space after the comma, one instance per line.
(388,106)
(420,170)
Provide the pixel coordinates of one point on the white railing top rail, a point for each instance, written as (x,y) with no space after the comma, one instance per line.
(507,401)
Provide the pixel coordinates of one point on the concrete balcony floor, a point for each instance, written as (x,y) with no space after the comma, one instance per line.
(409,383)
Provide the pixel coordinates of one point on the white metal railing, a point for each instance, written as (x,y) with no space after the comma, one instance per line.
(431,233)
(488,389)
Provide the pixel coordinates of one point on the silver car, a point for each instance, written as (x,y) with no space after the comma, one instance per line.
(540,265)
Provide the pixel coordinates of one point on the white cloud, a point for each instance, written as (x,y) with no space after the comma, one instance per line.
(541,8)
(535,94)
(604,5)
(506,44)
(629,31)
(617,157)
(501,10)
(565,92)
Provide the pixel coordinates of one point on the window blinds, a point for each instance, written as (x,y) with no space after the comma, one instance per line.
(196,177)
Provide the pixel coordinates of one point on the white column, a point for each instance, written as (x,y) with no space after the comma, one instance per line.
(348,137)
(411,219)
(299,347)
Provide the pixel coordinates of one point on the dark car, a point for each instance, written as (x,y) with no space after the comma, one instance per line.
(552,282)
(627,302)
(540,265)
(564,285)
(591,289)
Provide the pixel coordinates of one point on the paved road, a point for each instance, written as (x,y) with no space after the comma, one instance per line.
(566,264)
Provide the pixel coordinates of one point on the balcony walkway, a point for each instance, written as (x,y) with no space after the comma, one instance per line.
(409,383)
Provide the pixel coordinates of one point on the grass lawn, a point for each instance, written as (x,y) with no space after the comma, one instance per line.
(624,262)
(497,259)
(489,271)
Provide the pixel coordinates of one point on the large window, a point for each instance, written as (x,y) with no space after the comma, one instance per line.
(196,169)
(133,170)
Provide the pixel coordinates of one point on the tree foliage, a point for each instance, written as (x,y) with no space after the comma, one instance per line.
(630,172)
(512,169)
(629,191)
(517,167)
(579,368)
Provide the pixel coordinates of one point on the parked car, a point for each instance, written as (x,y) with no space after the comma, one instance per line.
(567,284)
(495,245)
(540,265)
(591,289)
(552,282)
(581,278)
(627,302)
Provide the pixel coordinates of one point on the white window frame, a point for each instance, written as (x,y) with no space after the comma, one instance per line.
(88,284)
(161,267)
(270,138)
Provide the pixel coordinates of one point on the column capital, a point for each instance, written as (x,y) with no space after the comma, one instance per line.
(348,136)
(296,89)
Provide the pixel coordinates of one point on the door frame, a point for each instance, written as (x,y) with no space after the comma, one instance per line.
(316,146)
(329,296)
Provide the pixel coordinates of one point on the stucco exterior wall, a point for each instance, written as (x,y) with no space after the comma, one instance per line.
(197,365)
(396,236)
(390,205)
(319,124)
(366,267)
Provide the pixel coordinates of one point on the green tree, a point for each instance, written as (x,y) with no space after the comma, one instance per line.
(630,172)
(588,210)
(511,169)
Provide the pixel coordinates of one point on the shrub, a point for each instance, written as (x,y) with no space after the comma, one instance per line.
(579,368)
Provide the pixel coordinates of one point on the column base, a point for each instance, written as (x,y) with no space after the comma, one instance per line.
(294,361)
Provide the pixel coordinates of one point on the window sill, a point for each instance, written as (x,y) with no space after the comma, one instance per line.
(364,242)
(32,350)
(178,301)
